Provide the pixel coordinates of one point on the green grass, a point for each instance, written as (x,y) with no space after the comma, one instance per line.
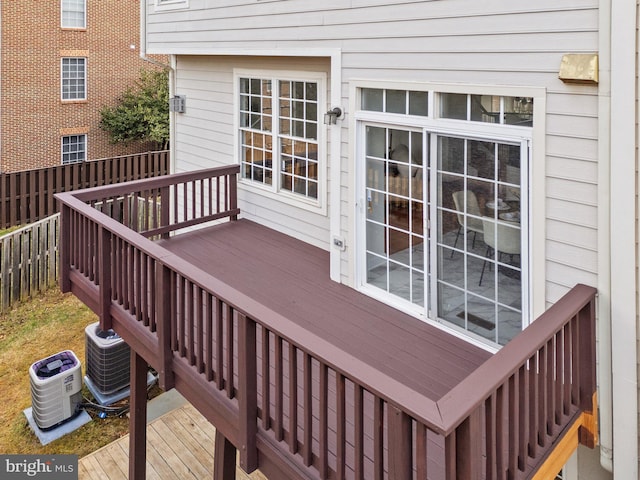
(31,331)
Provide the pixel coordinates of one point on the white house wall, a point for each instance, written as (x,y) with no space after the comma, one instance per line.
(493,43)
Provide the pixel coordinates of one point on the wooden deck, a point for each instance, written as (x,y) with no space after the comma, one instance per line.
(307,378)
(179,447)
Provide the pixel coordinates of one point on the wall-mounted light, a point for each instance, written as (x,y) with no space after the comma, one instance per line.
(178,103)
(331,117)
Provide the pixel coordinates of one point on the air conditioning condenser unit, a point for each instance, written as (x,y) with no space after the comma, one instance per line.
(56,384)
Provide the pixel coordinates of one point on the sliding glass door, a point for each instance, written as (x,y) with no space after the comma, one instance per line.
(444,226)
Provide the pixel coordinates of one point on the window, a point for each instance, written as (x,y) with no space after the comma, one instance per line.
(279,128)
(74,148)
(74,79)
(73,14)
(445,225)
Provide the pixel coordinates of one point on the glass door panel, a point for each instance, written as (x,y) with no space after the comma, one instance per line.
(395,206)
(478,237)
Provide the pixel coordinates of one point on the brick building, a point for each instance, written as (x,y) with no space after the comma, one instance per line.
(61,62)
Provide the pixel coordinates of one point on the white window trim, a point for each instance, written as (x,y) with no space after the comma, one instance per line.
(73,28)
(537,195)
(163,5)
(318,205)
(71,100)
(86,148)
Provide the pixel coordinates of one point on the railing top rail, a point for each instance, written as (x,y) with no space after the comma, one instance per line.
(456,405)
(97,193)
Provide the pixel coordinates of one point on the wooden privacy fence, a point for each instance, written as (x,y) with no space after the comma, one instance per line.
(28,261)
(27,196)
(276,390)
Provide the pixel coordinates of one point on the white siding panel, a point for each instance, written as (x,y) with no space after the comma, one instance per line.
(571,212)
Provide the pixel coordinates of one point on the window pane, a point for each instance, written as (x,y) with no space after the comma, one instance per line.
(372,99)
(453,105)
(518,111)
(485,108)
(419,103)
(396,101)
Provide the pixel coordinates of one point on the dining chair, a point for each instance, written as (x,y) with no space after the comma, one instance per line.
(501,238)
(468,215)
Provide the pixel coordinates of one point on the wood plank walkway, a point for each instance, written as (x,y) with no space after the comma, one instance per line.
(180,446)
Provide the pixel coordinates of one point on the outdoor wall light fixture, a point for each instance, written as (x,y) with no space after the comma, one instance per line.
(331,117)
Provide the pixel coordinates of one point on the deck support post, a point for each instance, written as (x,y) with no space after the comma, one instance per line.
(248,393)
(468,448)
(165,203)
(224,458)
(138,418)
(233,194)
(65,248)
(164,314)
(104,277)
(587,372)
(400,444)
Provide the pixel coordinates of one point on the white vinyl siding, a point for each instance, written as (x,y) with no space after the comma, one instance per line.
(514,44)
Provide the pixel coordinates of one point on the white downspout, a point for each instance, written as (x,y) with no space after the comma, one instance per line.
(604,238)
(624,332)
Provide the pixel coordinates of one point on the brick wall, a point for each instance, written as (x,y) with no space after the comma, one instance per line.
(33,117)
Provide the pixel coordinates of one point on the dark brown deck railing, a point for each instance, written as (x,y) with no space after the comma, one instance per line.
(270,386)
(27,196)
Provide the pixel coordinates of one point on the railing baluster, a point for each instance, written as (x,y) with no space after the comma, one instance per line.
(550,397)
(307,428)
(201,334)
(378,438)
(358,441)
(293,399)
(490,436)
(514,414)
(340,426)
(266,379)
(501,445)
(279,387)
(229,344)
(523,418)
(323,414)
(208,336)
(219,344)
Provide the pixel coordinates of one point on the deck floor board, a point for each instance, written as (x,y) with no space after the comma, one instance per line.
(292,278)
